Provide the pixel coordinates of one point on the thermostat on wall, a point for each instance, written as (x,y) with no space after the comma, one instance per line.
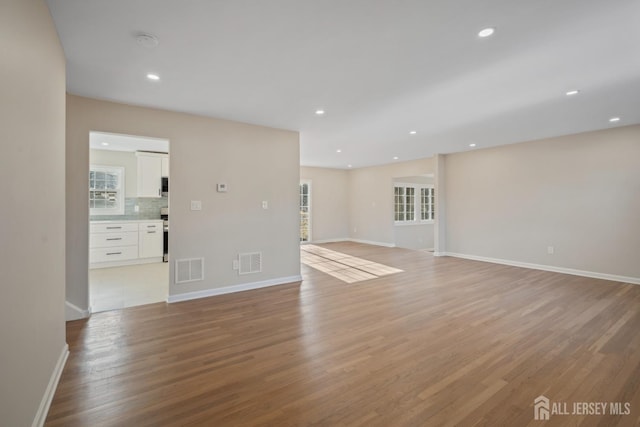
(222,188)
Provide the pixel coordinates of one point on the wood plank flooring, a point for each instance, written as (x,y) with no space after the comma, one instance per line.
(445,342)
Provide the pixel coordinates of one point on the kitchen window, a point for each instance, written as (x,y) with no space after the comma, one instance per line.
(106,190)
(413,203)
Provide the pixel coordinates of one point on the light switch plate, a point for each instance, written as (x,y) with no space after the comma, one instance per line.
(265,204)
(196,205)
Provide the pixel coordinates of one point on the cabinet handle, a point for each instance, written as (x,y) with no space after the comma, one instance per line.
(150,232)
(114,253)
(159,191)
(115,238)
(151,226)
(114,228)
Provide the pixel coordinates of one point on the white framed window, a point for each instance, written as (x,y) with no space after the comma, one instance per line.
(106,190)
(305,211)
(427,203)
(413,203)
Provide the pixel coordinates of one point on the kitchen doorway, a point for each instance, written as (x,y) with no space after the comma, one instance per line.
(128,221)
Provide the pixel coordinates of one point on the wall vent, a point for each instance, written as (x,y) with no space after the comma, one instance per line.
(189,270)
(250,263)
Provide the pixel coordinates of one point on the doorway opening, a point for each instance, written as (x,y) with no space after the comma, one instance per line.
(128,187)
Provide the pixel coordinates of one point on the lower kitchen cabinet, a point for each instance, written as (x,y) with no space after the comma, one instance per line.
(114,243)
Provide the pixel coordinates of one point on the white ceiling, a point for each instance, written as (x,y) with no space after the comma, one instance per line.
(379,68)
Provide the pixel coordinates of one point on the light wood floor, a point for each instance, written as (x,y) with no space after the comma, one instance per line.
(446,342)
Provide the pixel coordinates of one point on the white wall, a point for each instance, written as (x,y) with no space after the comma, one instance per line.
(579,194)
(125,159)
(257,163)
(329,202)
(32,231)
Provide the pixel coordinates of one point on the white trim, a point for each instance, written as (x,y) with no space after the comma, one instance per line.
(348,239)
(231,289)
(45,403)
(73,312)
(592,274)
(439,253)
(371,242)
(319,242)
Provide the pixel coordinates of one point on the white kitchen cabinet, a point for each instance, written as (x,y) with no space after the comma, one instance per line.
(150,239)
(112,242)
(165,166)
(115,243)
(150,172)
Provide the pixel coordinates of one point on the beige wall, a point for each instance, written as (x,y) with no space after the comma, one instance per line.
(371,199)
(257,163)
(125,159)
(32,232)
(578,193)
(329,202)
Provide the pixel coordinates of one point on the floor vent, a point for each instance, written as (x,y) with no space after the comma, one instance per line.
(250,263)
(189,270)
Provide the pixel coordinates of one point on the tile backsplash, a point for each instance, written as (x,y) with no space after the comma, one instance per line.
(149,208)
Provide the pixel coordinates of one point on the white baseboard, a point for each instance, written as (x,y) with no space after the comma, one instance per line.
(231,289)
(574,272)
(371,242)
(73,312)
(45,403)
(348,239)
(319,242)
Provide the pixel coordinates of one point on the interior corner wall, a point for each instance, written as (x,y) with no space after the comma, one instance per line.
(257,164)
(371,199)
(32,168)
(329,202)
(579,194)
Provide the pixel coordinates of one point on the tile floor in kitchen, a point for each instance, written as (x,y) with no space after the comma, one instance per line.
(119,287)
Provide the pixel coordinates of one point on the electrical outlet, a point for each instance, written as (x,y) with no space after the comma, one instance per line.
(550,250)
(265,204)
(136,208)
(196,205)
(236,264)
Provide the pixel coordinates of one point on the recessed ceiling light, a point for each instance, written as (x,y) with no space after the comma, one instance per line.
(413,132)
(338,151)
(614,119)
(349,166)
(573,92)
(152,76)
(395,157)
(319,112)
(472,145)
(486,32)
(105,143)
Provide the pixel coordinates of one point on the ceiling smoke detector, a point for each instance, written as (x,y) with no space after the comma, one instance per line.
(147,40)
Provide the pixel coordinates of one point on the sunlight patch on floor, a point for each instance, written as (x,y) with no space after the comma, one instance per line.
(345,267)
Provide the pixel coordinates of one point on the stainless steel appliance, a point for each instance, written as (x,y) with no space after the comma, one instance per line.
(164,214)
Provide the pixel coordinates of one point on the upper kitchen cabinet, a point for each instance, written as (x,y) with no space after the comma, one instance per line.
(151,168)
(165,166)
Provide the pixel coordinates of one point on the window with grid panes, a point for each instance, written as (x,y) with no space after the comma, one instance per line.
(106,190)
(413,203)
(427,203)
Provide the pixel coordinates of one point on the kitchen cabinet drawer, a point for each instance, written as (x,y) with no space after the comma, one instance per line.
(113,227)
(150,226)
(109,240)
(118,253)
